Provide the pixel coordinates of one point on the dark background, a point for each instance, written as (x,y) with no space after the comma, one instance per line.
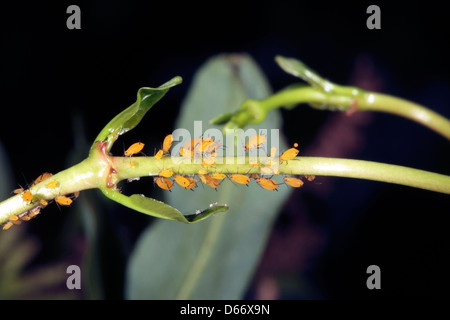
(51,75)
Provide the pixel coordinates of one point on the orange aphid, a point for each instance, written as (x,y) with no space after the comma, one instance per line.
(27,196)
(293,182)
(239,178)
(202,178)
(52,184)
(210,148)
(63,200)
(76,194)
(163,183)
(132,164)
(189,148)
(167,173)
(14,218)
(182,181)
(205,144)
(255,142)
(192,183)
(41,178)
(218,176)
(25,217)
(159,154)
(134,148)
(7,225)
(18,190)
(268,184)
(212,182)
(289,154)
(43,203)
(167,143)
(310,177)
(34,212)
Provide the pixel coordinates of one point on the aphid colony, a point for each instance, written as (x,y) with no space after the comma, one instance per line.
(29,198)
(206,148)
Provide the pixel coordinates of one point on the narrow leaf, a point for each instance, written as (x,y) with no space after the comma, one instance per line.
(130,117)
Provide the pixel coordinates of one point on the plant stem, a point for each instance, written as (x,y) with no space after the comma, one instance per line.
(363,101)
(319,166)
(94,172)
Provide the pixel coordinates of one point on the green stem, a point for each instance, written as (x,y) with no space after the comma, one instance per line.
(361,101)
(94,172)
(319,166)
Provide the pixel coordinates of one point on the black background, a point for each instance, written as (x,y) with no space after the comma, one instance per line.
(51,75)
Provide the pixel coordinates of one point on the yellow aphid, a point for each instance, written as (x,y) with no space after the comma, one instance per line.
(167,143)
(289,154)
(159,154)
(182,181)
(218,176)
(212,182)
(63,200)
(41,178)
(167,173)
(27,196)
(268,184)
(295,145)
(255,142)
(163,183)
(239,178)
(18,190)
(7,225)
(134,148)
(202,171)
(293,182)
(52,184)
(310,177)
(132,164)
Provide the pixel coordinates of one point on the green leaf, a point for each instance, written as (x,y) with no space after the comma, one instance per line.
(300,70)
(160,209)
(213,259)
(130,117)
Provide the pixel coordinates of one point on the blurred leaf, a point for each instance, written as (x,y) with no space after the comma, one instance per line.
(213,259)
(131,116)
(6,185)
